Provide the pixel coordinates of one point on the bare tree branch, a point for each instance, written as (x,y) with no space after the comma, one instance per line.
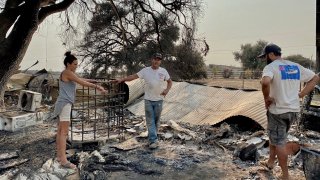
(48,10)
(122,28)
(153,17)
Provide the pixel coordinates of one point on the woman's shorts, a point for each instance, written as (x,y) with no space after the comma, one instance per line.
(65,113)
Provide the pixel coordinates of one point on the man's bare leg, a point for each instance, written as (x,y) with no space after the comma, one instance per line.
(272,155)
(283,160)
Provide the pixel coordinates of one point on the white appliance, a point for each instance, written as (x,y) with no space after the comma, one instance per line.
(29,100)
(16,120)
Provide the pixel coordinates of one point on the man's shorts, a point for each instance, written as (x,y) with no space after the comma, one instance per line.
(278,126)
(65,113)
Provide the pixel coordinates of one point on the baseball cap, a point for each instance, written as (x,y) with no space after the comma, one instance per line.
(268,49)
(157,55)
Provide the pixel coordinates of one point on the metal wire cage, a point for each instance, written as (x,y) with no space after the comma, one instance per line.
(96,116)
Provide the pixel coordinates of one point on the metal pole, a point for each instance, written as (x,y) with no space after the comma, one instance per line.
(317,36)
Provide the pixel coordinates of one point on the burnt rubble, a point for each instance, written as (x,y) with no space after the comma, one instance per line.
(182,147)
(116,148)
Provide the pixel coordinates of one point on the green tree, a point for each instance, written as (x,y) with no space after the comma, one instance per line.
(248,55)
(103,47)
(186,63)
(303,61)
(215,69)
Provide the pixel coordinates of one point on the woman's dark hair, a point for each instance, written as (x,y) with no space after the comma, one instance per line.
(69,58)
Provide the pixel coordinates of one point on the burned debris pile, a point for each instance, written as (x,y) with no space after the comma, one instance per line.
(182,147)
(107,142)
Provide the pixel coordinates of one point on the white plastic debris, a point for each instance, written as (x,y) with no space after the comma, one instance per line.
(99,156)
(131,130)
(292,138)
(254,140)
(168,135)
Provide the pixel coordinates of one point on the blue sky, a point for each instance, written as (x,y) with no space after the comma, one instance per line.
(226,24)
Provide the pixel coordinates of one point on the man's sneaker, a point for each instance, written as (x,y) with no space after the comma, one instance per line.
(154,145)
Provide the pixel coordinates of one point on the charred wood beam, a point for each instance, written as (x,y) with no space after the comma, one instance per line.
(12,164)
(10,155)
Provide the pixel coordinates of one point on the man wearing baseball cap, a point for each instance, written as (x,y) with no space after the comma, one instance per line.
(154,93)
(280,87)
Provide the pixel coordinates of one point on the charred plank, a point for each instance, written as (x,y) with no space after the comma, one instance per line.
(12,164)
(8,155)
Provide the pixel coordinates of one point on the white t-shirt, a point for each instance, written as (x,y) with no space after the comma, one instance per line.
(285,85)
(155,82)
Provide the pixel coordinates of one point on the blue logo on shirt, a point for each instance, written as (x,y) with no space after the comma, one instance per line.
(289,72)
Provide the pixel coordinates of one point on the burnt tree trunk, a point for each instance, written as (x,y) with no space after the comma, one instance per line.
(24,18)
(14,47)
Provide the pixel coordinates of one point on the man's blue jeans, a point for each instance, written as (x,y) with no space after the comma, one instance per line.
(153,112)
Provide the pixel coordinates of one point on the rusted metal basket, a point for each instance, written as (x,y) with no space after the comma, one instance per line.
(311,163)
(97,117)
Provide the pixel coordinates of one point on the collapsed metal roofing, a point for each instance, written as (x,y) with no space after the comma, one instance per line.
(199,105)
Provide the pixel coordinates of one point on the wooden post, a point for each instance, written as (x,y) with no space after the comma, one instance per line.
(317,36)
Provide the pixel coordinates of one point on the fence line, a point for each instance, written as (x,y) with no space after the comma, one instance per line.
(234,74)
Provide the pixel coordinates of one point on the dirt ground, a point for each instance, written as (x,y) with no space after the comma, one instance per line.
(34,143)
(174,159)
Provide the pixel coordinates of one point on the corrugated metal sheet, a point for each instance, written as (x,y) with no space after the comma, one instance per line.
(135,90)
(198,105)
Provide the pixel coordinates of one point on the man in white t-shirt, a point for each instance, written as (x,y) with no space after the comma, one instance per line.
(280,87)
(157,86)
